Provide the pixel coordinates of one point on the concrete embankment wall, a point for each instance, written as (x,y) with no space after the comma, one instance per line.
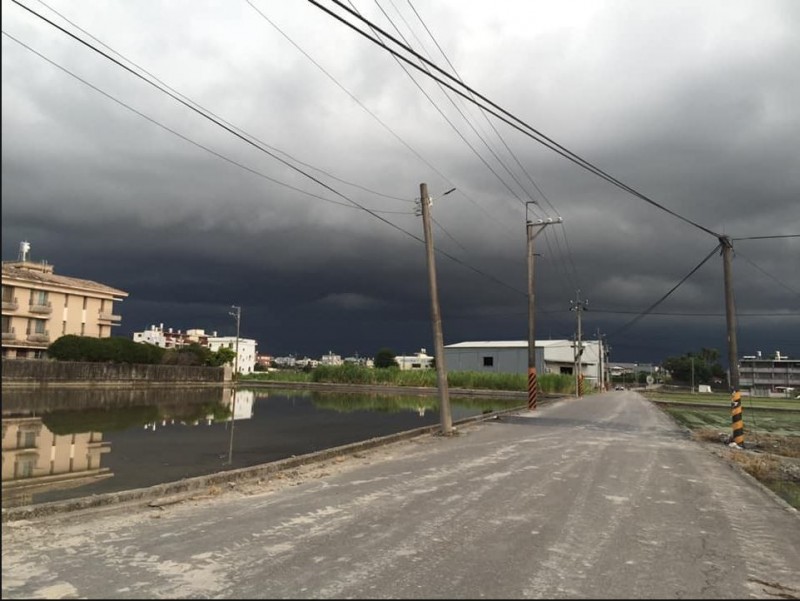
(31,371)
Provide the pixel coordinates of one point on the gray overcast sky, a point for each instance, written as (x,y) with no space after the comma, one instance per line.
(694,104)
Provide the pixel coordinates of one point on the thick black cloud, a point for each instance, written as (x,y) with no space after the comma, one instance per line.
(706,125)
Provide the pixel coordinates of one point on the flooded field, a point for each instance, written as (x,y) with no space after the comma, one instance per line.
(65,443)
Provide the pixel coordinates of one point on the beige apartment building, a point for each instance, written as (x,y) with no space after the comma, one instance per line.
(39,307)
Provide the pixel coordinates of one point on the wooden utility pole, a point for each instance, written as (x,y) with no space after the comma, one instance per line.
(533,230)
(441,371)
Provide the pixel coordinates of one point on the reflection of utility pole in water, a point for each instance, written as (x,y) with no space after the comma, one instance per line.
(237,314)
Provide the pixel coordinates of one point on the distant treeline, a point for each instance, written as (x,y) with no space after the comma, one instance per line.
(117,349)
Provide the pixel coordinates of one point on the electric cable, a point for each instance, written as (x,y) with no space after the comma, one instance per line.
(257,146)
(573,284)
(665,296)
(278,150)
(769,275)
(371,113)
(501,113)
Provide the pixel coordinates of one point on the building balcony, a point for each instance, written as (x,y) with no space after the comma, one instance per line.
(39,337)
(109,317)
(10,305)
(41,309)
(10,335)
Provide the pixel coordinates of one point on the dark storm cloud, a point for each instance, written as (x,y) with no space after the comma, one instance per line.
(694,105)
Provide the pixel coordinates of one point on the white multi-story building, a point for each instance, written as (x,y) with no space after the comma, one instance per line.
(331,359)
(167,338)
(246,362)
(774,376)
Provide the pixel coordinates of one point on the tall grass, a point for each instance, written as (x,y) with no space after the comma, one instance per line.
(394,376)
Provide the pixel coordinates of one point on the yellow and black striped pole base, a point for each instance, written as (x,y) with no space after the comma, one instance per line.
(580,384)
(533,388)
(737,423)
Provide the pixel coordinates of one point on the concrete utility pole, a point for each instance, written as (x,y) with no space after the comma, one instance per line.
(425,202)
(737,424)
(533,230)
(600,361)
(238,315)
(579,307)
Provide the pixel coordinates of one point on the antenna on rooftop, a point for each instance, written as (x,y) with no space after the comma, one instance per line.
(24,249)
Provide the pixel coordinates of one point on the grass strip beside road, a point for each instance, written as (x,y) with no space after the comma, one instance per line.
(772,435)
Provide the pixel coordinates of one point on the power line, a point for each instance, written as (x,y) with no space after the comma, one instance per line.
(681,314)
(210,118)
(174,132)
(367,110)
(768,237)
(512,154)
(502,114)
(452,125)
(278,150)
(663,298)
(203,113)
(769,275)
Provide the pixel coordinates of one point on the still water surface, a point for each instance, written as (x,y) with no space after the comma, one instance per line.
(65,443)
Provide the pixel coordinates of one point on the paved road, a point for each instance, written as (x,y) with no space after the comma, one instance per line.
(600,497)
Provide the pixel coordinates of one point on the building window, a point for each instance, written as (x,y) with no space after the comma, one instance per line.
(6,324)
(38,326)
(85,301)
(488,361)
(64,328)
(23,467)
(8,294)
(66,301)
(83,329)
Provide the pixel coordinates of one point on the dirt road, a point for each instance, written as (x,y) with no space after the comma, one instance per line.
(600,497)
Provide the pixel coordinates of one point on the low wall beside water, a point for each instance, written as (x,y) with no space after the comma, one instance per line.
(41,371)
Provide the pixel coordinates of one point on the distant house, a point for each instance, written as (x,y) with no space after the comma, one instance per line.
(264,360)
(40,307)
(169,338)
(419,360)
(331,359)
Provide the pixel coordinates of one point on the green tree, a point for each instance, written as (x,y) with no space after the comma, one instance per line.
(705,365)
(385,358)
(222,356)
